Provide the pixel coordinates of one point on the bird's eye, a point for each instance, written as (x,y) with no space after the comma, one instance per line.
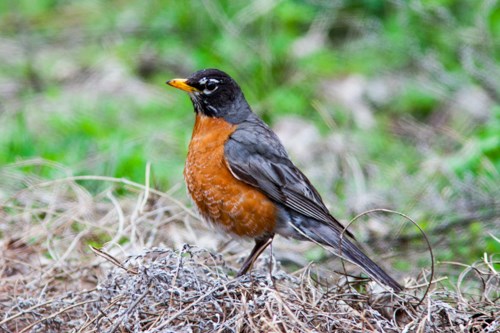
(210,86)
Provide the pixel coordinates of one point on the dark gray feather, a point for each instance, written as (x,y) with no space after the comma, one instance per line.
(256,156)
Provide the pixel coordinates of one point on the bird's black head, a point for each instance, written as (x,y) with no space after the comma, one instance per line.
(215,94)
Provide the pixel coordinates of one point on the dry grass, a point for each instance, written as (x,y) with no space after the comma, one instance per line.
(51,280)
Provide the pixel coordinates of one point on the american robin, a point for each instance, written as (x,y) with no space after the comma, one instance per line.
(241,179)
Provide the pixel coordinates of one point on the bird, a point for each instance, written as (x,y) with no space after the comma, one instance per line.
(241,178)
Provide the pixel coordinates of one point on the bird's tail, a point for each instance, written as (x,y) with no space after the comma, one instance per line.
(330,237)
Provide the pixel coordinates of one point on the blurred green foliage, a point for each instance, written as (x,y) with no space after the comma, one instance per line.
(481,154)
(61,99)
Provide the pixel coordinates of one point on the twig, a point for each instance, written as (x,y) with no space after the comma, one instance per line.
(112,260)
(202,297)
(6,320)
(56,314)
(431,254)
(131,307)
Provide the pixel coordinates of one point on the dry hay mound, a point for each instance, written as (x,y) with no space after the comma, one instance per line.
(189,290)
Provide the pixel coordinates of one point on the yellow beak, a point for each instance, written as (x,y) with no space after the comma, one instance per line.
(182,85)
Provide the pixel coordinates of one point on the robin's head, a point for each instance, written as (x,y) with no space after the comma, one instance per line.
(214,94)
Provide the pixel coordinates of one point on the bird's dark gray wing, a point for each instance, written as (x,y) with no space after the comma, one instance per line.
(255,155)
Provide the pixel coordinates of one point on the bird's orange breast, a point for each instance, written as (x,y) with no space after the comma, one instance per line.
(222,199)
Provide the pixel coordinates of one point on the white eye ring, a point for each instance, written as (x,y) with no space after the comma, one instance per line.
(210,87)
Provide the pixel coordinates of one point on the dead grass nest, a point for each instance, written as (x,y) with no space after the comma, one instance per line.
(51,280)
(189,290)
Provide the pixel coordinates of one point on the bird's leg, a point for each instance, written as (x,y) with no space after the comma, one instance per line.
(260,246)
